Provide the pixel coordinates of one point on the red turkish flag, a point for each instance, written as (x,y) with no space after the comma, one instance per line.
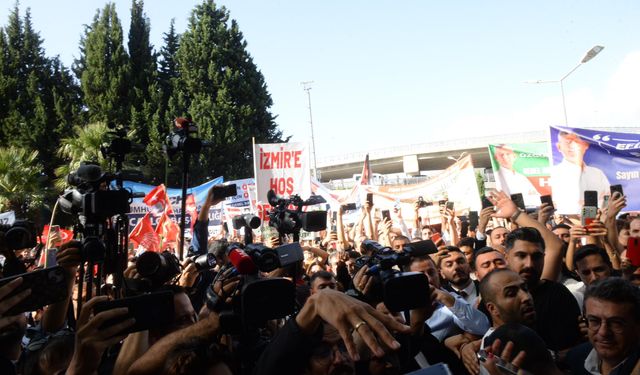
(144,235)
(65,235)
(158,201)
(168,229)
(192,210)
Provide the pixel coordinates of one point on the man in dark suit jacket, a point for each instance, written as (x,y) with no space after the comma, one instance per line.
(456,273)
(612,308)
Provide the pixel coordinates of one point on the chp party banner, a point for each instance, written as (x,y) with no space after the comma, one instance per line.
(590,159)
(522,168)
(456,183)
(282,167)
(139,208)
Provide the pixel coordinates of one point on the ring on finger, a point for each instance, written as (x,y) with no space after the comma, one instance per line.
(359,324)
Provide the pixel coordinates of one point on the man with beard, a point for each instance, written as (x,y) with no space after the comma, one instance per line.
(507,298)
(497,237)
(455,271)
(557,310)
(535,253)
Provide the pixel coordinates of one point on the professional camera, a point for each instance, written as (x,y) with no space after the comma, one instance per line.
(204,262)
(181,138)
(19,235)
(288,221)
(259,299)
(156,269)
(91,197)
(400,291)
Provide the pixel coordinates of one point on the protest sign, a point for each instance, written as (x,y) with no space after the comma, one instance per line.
(591,159)
(139,208)
(456,183)
(522,168)
(283,168)
(7,218)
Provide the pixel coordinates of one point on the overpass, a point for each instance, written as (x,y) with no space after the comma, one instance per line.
(411,159)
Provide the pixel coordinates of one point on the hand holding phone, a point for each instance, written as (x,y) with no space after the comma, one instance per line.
(93,336)
(147,311)
(633,251)
(46,286)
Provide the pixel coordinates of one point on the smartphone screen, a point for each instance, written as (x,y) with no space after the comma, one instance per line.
(486,202)
(518,199)
(385,214)
(370,198)
(591,198)
(436,238)
(617,188)
(546,199)
(450,205)
(473,219)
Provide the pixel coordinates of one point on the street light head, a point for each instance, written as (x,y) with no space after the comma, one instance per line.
(593,52)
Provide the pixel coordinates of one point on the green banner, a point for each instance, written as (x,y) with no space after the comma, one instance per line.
(522,168)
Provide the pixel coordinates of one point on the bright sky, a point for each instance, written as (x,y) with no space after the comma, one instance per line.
(390,73)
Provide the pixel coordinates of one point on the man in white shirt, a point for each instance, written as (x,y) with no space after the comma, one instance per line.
(572,176)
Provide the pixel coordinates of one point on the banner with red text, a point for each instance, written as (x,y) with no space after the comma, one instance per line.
(283,167)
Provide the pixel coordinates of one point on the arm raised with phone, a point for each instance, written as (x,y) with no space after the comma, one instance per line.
(507,209)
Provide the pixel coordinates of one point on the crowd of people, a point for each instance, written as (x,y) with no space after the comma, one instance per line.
(520,292)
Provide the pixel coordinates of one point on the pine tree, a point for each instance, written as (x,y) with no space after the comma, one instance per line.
(225,93)
(104,70)
(142,67)
(40,98)
(155,167)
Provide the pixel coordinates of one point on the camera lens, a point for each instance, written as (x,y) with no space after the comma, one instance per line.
(149,263)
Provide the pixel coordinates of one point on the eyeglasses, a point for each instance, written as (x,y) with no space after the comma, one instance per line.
(325,350)
(616,325)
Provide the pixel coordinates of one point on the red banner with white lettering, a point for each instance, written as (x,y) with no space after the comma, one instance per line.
(282,167)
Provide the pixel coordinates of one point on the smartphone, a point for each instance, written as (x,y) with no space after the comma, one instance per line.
(370,198)
(473,219)
(633,251)
(151,310)
(450,205)
(225,191)
(605,202)
(518,199)
(50,259)
(617,188)
(349,207)
(47,286)
(486,202)
(436,238)
(547,199)
(591,198)
(437,369)
(334,222)
(588,215)
(423,203)
(503,366)
(385,214)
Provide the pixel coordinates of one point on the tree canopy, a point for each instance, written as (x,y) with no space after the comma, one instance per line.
(57,114)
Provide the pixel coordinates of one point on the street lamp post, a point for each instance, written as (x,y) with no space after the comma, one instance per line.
(307,87)
(593,52)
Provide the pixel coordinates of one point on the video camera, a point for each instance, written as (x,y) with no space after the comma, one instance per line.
(260,299)
(19,235)
(91,197)
(181,140)
(288,221)
(400,291)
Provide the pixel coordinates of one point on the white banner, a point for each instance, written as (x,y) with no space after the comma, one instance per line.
(7,218)
(283,167)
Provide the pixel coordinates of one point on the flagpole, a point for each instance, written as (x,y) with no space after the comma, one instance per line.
(255,170)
